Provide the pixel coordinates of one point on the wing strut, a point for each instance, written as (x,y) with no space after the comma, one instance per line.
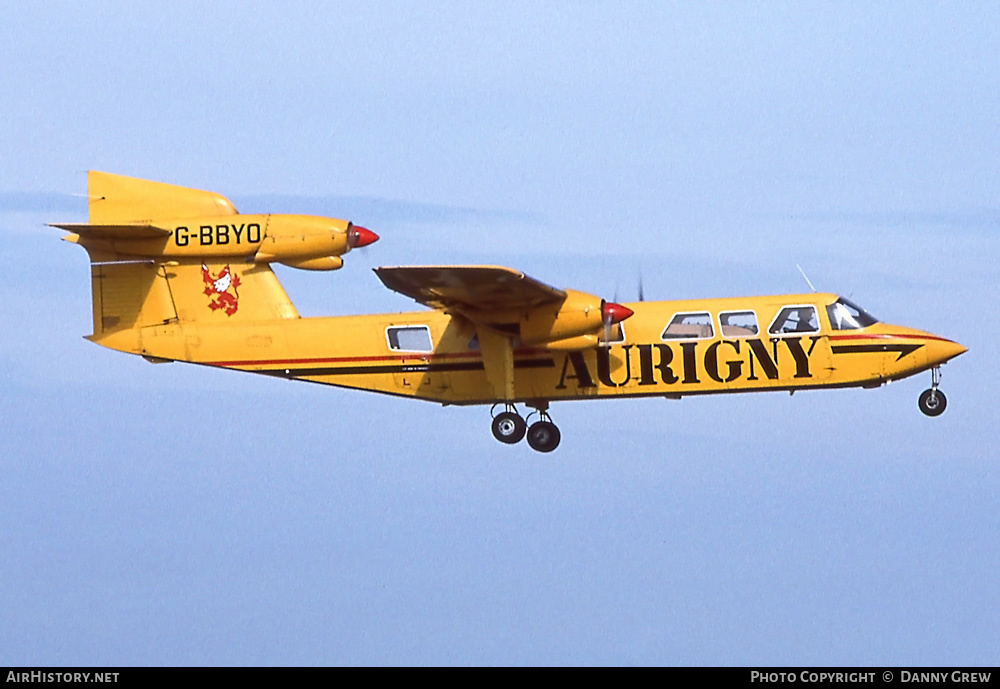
(498,360)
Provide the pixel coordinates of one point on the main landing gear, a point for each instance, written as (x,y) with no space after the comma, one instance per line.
(932,402)
(509,428)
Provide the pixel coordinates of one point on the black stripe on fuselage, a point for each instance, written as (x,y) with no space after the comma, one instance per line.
(429,367)
(900,349)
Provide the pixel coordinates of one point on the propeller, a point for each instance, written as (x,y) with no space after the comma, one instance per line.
(612,313)
(358,236)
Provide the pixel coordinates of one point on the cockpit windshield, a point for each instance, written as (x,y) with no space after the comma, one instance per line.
(845,315)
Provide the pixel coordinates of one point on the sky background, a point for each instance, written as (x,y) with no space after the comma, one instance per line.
(175,514)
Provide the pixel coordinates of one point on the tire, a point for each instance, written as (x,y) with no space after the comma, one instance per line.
(932,402)
(508,427)
(543,436)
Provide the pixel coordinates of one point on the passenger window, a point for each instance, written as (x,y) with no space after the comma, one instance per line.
(616,335)
(795,320)
(738,323)
(689,326)
(409,338)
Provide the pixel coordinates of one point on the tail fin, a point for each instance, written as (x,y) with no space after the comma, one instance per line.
(131,292)
(116,199)
(137,294)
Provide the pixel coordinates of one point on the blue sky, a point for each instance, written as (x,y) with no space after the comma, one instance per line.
(179,515)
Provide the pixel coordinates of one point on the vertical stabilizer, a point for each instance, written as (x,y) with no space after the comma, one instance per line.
(130,295)
(116,199)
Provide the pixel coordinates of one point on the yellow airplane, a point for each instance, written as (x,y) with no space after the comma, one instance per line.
(178,275)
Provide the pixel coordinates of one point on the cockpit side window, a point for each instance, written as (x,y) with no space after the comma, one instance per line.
(409,338)
(845,315)
(795,320)
(689,326)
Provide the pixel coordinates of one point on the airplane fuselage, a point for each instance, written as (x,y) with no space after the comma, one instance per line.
(667,348)
(177,274)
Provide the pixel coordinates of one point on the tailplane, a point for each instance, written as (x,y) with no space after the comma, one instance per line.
(162,254)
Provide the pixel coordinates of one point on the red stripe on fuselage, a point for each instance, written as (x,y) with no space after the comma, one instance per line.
(358,359)
(882,336)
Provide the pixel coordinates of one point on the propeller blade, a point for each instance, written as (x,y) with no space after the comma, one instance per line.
(612,313)
(606,322)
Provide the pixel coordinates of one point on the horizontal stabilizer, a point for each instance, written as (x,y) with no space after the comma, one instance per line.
(136,231)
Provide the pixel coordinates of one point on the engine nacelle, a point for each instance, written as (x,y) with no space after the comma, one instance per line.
(134,218)
(299,237)
(573,344)
(578,315)
(324,263)
(264,238)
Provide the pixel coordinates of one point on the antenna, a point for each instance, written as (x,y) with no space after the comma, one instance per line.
(808,281)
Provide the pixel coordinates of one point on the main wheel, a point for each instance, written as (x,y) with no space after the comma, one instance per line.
(508,427)
(543,436)
(932,402)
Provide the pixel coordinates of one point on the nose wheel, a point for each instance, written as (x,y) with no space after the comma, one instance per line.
(932,402)
(509,428)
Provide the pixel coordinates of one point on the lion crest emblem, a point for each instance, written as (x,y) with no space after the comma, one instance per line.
(223,289)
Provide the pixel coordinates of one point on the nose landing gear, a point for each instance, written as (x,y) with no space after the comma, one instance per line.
(509,428)
(932,402)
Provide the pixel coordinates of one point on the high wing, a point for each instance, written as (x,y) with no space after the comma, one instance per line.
(470,288)
(509,310)
(496,299)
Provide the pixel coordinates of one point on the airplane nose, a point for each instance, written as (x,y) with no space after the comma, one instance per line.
(360,236)
(941,350)
(956,349)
